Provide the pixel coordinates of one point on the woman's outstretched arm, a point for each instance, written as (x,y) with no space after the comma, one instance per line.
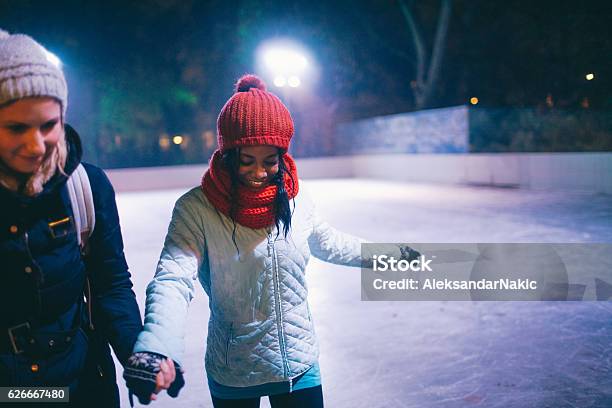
(172,288)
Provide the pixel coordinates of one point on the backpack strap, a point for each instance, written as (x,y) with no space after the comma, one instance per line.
(81,199)
(84,215)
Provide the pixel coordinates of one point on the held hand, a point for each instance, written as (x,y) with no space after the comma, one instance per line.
(146,374)
(170,378)
(178,383)
(165,377)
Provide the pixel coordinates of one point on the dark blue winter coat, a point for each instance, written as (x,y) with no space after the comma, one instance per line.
(42,275)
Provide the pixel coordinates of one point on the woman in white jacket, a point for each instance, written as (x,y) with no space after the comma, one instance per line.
(246,233)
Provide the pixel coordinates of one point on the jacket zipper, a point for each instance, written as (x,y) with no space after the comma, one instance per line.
(39,276)
(34,269)
(279,311)
(229,342)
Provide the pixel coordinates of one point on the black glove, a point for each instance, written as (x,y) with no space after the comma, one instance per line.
(178,383)
(408,253)
(140,376)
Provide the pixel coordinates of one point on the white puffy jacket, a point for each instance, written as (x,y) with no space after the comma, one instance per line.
(260,328)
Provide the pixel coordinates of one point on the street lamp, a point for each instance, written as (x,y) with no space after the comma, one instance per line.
(292,70)
(286,62)
(294,81)
(280,81)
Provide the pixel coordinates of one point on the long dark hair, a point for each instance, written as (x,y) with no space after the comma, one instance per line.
(282,207)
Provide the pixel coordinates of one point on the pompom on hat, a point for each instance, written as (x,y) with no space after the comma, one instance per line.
(253,117)
(28,70)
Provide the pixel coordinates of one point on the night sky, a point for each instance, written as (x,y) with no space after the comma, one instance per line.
(169,65)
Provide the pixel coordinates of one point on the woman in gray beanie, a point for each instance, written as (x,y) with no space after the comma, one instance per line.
(47,336)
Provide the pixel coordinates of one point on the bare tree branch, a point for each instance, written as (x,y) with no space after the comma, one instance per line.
(383,41)
(418,42)
(438,48)
(424,83)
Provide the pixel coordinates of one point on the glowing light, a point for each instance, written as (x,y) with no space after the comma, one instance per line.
(590,76)
(286,64)
(474,100)
(164,142)
(549,101)
(585,103)
(280,81)
(177,140)
(284,60)
(209,139)
(52,58)
(294,81)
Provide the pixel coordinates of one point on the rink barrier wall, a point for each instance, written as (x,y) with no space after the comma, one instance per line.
(439,131)
(588,172)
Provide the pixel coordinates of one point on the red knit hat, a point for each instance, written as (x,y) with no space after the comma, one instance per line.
(253,116)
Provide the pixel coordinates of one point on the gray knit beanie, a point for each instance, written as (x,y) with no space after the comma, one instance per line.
(27,69)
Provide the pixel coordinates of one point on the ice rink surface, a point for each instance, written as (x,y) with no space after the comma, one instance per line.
(423,354)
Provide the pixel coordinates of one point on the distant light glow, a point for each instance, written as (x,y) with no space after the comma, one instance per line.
(474,100)
(294,81)
(286,63)
(164,143)
(285,60)
(549,101)
(209,139)
(177,140)
(590,76)
(585,103)
(52,58)
(280,81)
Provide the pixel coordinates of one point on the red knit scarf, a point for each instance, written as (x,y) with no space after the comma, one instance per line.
(255,208)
